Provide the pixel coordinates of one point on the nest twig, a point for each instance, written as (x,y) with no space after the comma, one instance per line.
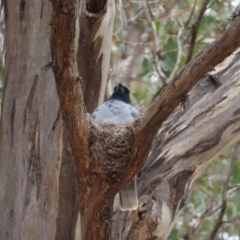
(111,148)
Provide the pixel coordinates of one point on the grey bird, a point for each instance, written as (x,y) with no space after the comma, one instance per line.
(118,110)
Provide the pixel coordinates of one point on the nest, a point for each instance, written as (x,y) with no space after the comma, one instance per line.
(111,147)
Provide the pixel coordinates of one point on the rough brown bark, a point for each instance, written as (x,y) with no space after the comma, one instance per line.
(194,30)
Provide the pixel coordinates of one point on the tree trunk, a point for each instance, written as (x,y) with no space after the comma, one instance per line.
(31,154)
(30,161)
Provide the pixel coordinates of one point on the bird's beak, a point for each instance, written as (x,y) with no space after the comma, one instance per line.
(120,87)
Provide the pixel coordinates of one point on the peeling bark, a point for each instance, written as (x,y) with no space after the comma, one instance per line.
(94,50)
(174,93)
(186,144)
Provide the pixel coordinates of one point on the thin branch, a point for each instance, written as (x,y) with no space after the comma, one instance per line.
(230,170)
(195,27)
(232,191)
(157,51)
(138,12)
(123,18)
(158,56)
(194,230)
(219,221)
(227,193)
(188,21)
(179,55)
(231,221)
(224,194)
(191,14)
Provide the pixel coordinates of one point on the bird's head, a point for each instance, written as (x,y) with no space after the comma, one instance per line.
(121,92)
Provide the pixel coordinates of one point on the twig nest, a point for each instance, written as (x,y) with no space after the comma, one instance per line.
(111,147)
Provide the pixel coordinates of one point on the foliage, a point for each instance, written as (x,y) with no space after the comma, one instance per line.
(148,31)
(207,194)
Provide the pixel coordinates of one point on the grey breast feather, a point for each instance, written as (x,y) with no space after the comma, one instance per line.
(115,112)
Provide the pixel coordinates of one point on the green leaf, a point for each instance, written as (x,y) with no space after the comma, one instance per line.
(158,26)
(145,63)
(174,234)
(235,175)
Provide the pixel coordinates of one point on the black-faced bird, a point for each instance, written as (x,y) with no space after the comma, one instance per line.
(118,110)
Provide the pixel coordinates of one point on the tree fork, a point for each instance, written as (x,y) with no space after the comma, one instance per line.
(94,205)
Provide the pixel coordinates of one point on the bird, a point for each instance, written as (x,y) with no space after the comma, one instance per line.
(118,110)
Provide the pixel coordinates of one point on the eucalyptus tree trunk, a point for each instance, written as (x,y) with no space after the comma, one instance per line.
(33,189)
(29,160)
(44,145)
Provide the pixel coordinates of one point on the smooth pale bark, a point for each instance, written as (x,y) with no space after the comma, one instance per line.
(29,160)
(35,169)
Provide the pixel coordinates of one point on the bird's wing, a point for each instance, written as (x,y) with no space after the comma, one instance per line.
(94,114)
(134,112)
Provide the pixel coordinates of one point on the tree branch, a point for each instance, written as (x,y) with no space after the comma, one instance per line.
(224,194)
(181,153)
(191,14)
(195,27)
(174,93)
(233,190)
(194,231)
(68,85)
(157,51)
